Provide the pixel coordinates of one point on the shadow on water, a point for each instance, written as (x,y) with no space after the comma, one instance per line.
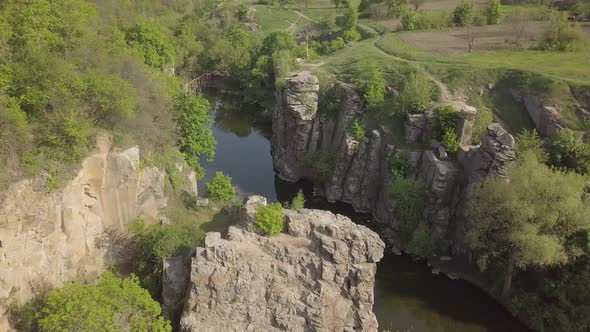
(408,297)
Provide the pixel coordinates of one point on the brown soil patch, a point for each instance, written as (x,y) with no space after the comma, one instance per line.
(494,37)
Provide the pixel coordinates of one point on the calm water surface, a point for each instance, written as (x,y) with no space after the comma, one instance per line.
(408,297)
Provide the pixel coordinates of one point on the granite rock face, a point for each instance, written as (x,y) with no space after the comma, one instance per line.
(48,238)
(317,276)
(361,172)
(545,116)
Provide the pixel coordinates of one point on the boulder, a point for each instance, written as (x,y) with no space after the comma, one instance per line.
(317,276)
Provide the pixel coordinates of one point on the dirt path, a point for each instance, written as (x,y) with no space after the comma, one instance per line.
(446,94)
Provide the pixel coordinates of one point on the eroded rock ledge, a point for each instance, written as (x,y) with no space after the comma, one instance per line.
(317,276)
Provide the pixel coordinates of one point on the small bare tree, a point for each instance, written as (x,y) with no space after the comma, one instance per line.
(471,33)
(519,23)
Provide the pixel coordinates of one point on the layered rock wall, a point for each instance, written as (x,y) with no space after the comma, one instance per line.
(362,172)
(318,276)
(48,238)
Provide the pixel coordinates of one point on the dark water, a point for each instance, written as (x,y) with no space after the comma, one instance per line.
(408,297)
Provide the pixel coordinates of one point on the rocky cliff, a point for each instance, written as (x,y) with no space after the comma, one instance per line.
(361,171)
(316,276)
(48,238)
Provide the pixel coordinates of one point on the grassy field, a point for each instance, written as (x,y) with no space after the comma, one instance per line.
(568,66)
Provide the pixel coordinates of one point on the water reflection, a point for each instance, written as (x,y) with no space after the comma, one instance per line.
(408,297)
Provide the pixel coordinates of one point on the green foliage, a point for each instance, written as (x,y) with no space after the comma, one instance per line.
(494,12)
(400,166)
(111,304)
(463,13)
(269,219)
(25,317)
(451,142)
(52,180)
(153,43)
(357,130)
(527,217)
(329,98)
(220,188)
(298,202)
(415,95)
(529,142)
(483,119)
(282,63)
(561,35)
(445,120)
(351,18)
(409,19)
(277,41)
(408,195)
(14,132)
(421,244)
(65,136)
(156,242)
(369,79)
(568,151)
(194,122)
(174,175)
(321,163)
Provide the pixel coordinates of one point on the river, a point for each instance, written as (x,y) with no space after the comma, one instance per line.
(408,297)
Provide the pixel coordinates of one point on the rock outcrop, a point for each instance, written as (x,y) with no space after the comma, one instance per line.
(48,238)
(317,276)
(545,117)
(361,173)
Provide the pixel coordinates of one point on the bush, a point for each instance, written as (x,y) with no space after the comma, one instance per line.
(298,202)
(357,130)
(463,13)
(408,195)
(111,304)
(415,94)
(400,166)
(220,188)
(409,19)
(494,12)
(421,244)
(154,243)
(528,141)
(451,142)
(65,136)
(369,78)
(269,219)
(561,35)
(445,119)
(153,43)
(14,131)
(568,151)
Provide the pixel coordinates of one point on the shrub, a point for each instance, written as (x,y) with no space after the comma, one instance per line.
(357,130)
(494,12)
(111,304)
(561,35)
(154,243)
(154,44)
(568,151)
(528,141)
(451,142)
(269,219)
(415,94)
(421,244)
(463,13)
(369,78)
(65,136)
(14,131)
(220,188)
(408,195)
(445,119)
(298,202)
(483,119)
(409,19)
(400,166)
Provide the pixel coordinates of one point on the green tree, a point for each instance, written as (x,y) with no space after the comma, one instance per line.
(357,130)
(154,44)
(14,131)
(528,141)
(451,142)
(351,18)
(526,219)
(409,18)
(494,12)
(269,219)
(194,122)
(220,188)
(421,244)
(408,195)
(567,150)
(277,41)
(463,13)
(415,95)
(369,78)
(111,304)
(65,136)
(298,202)
(561,35)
